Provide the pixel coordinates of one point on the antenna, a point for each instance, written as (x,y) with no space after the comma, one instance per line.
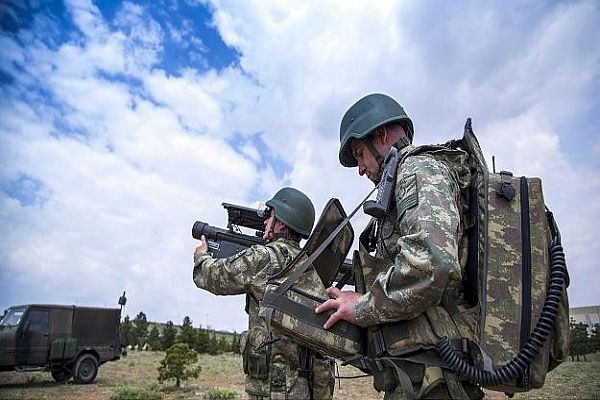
(494,164)
(122,301)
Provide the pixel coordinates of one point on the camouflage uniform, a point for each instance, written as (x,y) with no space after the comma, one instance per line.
(270,363)
(417,253)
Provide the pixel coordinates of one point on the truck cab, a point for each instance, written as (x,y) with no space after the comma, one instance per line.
(69,341)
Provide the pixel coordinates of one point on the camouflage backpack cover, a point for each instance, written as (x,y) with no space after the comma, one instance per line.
(516,273)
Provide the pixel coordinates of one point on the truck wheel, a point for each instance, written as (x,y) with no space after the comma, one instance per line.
(60,375)
(85,368)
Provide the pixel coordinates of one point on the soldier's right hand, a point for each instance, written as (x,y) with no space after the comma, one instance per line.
(343,302)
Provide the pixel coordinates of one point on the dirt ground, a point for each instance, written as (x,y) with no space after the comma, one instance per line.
(138,370)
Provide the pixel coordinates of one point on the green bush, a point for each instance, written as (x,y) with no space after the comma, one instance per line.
(179,364)
(219,394)
(133,393)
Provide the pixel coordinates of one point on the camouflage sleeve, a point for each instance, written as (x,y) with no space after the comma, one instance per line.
(244,272)
(427,258)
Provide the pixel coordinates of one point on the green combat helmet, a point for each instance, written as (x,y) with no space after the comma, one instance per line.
(294,208)
(366,115)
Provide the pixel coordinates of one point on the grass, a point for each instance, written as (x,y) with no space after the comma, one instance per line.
(570,380)
(134,377)
(219,394)
(133,393)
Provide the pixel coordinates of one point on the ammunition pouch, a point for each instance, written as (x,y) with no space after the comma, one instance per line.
(258,365)
(385,381)
(388,380)
(255,361)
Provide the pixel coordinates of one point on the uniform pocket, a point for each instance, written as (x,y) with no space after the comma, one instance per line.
(258,365)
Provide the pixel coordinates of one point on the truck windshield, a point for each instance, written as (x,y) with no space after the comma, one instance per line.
(12,318)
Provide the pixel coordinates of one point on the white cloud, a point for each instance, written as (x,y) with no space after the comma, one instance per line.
(251,152)
(127,156)
(528,76)
(124,171)
(190,98)
(87,17)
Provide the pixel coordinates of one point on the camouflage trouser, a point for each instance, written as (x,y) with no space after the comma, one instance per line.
(323,379)
(282,383)
(285,384)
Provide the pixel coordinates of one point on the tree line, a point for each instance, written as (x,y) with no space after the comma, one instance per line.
(138,333)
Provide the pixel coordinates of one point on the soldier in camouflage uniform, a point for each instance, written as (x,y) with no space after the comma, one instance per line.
(417,258)
(275,367)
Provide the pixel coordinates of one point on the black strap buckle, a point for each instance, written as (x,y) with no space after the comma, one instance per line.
(378,342)
(506,189)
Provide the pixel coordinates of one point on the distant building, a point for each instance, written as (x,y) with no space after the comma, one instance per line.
(587,315)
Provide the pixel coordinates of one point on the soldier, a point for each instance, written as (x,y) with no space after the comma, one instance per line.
(417,260)
(275,367)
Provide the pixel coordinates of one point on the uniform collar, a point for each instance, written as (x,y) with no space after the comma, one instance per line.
(288,242)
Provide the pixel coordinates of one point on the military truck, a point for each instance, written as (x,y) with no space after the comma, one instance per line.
(69,341)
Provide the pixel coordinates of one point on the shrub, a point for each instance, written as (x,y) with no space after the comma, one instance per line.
(133,393)
(219,394)
(178,364)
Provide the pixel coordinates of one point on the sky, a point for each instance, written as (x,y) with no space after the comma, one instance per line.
(123,122)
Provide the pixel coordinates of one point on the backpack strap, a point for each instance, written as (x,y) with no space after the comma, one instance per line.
(306,357)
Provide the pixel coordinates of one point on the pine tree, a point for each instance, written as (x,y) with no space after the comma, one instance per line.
(187,334)
(154,339)
(595,339)
(141,328)
(580,342)
(203,341)
(178,364)
(224,345)
(213,347)
(235,343)
(127,332)
(169,335)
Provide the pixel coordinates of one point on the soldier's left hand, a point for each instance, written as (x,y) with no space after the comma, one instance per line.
(201,249)
(341,301)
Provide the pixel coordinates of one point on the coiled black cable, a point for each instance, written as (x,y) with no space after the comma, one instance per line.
(519,364)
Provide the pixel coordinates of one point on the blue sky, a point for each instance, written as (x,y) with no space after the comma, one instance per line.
(123,122)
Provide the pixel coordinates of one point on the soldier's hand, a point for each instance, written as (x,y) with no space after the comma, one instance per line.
(342,302)
(201,249)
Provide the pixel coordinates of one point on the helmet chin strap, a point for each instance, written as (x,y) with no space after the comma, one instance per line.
(273,236)
(378,157)
(374,151)
(403,142)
